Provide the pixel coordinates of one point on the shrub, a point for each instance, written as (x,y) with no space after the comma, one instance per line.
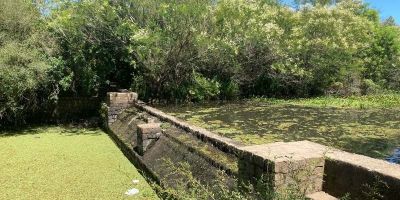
(24,61)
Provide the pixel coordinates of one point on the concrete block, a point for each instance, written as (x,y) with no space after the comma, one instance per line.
(147,135)
(117,102)
(294,163)
(150,128)
(122,99)
(348,173)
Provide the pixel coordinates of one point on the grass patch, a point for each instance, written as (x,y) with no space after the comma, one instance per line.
(66,163)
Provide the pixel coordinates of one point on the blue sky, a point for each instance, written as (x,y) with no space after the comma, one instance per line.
(385,7)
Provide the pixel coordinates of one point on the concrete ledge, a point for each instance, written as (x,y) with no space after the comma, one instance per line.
(297,163)
(192,148)
(223,143)
(121,98)
(117,102)
(351,173)
(324,169)
(321,196)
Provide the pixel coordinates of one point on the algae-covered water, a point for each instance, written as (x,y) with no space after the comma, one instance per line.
(371,132)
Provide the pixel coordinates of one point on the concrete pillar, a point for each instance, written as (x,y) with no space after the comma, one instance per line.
(147,135)
(117,102)
(299,165)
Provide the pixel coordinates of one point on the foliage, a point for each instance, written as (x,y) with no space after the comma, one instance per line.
(382,58)
(193,50)
(167,51)
(367,125)
(171,49)
(24,60)
(93,39)
(203,87)
(187,186)
(375,189)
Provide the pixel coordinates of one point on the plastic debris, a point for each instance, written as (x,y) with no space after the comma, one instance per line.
(132,192)
(134,181)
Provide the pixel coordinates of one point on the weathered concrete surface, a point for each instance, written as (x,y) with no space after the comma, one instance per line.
(321,196)
(225,144)
(124,98)
(294,163)
(117,102)
(320,168)
(335,172)
(147,135)
(355,174)
(167,158)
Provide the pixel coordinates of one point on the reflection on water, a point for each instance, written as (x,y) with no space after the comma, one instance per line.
(374,132)
(395,158)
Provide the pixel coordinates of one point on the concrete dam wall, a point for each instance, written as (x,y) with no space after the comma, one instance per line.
(172,152)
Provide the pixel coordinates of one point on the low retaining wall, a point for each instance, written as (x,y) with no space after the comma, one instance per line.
(161,155)
(347,173)
(225,144)
(117,102)
(320,170)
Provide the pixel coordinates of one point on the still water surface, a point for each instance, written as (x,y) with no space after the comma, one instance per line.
(374,132)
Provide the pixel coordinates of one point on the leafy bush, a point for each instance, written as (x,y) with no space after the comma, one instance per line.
(369,87)
(24,61)
(161,48)
(193,50)
(203,88)
(93,39)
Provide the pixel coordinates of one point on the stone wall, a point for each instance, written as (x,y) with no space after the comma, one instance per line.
(295,163)
(159,149)
(319,171)
(348,173)
(117,102)
(225,144)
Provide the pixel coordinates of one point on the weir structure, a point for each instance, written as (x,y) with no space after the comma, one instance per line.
(157,142)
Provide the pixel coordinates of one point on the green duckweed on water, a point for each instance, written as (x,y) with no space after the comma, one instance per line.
(358,102)
(66,163)
(372,129)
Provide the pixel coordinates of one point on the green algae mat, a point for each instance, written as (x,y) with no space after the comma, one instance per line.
(66,163)
(373,130)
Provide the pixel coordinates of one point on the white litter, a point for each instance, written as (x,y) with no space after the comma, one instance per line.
(132,192)
(134,181)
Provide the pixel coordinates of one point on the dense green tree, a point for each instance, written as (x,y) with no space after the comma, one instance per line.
(390,21)
(24,60)
(93,38)
(382,59)
(193,50)
(179,49)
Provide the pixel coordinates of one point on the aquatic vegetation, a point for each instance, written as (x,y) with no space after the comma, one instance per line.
(66,163)
(391,100)
(374,132)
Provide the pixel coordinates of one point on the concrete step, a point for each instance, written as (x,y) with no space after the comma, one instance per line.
(321,196)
